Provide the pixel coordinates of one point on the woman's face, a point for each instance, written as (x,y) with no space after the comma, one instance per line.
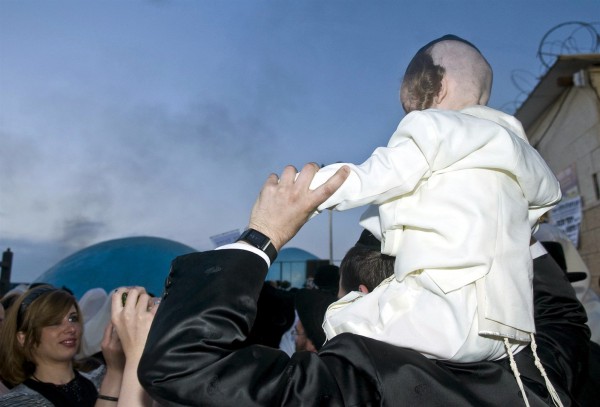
(60,343)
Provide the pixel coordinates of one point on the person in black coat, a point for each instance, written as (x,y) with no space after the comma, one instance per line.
(196,353)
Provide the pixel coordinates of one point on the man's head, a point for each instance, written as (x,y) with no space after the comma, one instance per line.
(364,267)
(327,278)
(311,306)
(274,316)
(448,73)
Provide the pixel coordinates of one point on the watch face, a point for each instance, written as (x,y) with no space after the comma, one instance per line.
(260,241)
(255,238)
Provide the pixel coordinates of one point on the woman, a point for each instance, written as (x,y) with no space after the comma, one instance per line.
(39,340)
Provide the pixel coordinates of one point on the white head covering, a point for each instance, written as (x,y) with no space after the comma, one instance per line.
(91,302)
(93,330)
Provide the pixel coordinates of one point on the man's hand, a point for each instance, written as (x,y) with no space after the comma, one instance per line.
(286,203)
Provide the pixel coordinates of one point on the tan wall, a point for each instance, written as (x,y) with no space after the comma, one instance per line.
(569,133)
(589,245)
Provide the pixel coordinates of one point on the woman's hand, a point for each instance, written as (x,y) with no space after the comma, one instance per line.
(115,365)
(112,349)
(132,316)
(132,320)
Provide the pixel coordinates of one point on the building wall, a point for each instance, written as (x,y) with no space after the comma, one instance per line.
(589,246)
(568,134)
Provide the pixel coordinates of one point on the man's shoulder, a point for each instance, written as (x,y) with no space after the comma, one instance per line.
(385,363)
(404,374)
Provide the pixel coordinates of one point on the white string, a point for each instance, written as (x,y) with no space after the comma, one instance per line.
(540,367)
(513,366)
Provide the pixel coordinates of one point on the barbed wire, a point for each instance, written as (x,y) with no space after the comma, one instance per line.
(574,42)
(572,37)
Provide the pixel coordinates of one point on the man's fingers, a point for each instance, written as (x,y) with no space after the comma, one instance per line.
(288,175)
(307,174)
(283,207)
(273,179)
(322,193)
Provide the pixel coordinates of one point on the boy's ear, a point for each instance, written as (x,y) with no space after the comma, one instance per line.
(363,289)
(442,93)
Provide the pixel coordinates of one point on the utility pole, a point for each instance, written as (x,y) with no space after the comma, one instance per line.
(5,266)
(330,231)
(330,236)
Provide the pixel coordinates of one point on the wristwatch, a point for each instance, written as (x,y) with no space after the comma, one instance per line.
(260,241)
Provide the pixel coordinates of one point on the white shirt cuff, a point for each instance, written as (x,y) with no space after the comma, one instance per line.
(246,246)
(537,250)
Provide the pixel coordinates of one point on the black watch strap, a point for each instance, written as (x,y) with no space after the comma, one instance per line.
(260,241)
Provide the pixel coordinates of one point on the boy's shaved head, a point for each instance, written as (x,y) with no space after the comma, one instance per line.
(448,73)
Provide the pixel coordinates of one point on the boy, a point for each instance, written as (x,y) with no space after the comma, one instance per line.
(457,189)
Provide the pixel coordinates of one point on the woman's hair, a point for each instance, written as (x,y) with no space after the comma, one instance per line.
(35,309)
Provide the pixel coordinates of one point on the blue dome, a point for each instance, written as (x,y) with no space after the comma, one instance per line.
(142,261)
(290,265)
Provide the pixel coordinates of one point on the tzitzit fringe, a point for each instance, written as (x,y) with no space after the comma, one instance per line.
(513,366)
(540,367)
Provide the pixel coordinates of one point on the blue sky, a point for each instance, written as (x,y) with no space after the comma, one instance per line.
(164,118)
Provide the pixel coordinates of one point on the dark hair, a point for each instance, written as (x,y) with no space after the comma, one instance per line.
(274,316)
(327,278)
(422,82)
(423,79)
(311,306)
(365,265)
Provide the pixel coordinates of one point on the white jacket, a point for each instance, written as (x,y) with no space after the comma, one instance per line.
(457,193)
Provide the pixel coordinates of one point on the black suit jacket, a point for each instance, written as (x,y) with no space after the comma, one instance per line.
(196,353)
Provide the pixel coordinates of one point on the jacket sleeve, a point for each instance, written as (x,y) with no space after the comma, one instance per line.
(196,352)
(390,171)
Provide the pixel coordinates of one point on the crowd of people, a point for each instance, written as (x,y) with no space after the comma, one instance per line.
(445,299)
(56,350)
(59,373)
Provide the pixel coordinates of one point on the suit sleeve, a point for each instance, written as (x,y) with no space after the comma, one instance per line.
(196,352)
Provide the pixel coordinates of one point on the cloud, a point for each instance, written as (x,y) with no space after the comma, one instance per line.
(116,171)
(80,232)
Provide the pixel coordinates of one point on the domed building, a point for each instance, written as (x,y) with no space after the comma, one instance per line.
(142,261)
(145,261)
(294,265)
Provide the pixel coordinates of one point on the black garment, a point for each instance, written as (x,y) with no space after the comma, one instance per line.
(275,315)
(79,392)
(588,392)
(195,354)
(311,306)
